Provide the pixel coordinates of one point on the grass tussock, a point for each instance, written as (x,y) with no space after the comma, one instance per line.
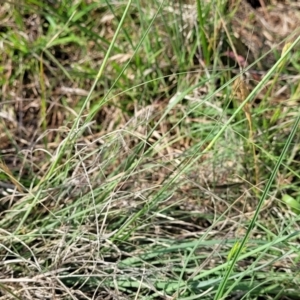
(149,150)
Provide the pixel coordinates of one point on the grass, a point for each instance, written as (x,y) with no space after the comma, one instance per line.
(131,158)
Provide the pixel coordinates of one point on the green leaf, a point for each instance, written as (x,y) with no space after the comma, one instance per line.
(292,203)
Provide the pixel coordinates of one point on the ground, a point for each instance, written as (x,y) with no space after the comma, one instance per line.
(149,150)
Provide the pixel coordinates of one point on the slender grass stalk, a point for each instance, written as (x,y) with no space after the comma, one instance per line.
(242,244)
(252,94)
(74,132)
(203,38)
(75,128)
(43,111)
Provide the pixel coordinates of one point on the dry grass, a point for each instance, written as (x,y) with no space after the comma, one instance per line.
(126,206)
